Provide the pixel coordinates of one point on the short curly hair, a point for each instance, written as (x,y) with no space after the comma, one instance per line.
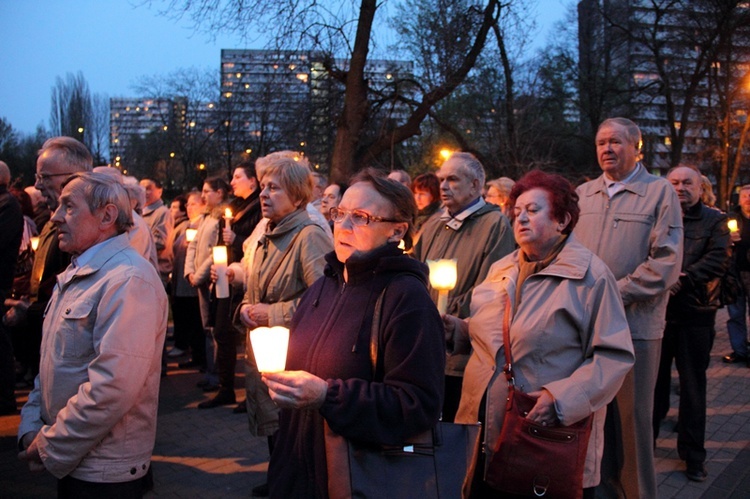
(562,195)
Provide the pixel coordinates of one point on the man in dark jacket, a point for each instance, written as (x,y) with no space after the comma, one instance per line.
(691,313)
(11,230)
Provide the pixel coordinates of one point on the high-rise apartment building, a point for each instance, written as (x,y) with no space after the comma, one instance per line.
(282,99)
(663,65)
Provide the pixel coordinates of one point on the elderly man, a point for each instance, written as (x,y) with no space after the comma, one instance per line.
(632,220)
(691,314)
(59,158)
(11,230)
(91,418)
(473,232)
(159,219)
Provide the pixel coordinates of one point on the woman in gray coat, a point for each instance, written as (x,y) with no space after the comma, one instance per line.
(569,338)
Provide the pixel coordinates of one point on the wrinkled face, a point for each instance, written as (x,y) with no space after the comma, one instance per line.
(617,155)
(535,229)
(153,193)
(78,228)
(350,239)
(195,206)
(687,185)
(275,203)
(51,174)
(211,198)
(331,199)
(458,187)
(242,186)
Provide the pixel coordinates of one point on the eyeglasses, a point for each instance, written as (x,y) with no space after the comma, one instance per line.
(358,217)
(44,176)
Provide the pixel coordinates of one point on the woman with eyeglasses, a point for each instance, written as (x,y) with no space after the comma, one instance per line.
(329,373)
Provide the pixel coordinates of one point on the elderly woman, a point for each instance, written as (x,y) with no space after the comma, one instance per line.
(287,259)
(570,342)
(329,374)
(498,191)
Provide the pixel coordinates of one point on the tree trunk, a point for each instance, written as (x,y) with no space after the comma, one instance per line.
(354,114)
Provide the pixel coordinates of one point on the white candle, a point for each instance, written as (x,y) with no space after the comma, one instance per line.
(228,218)
(220,262)
(443,276)
(270,345)
(34,243)
(190,234)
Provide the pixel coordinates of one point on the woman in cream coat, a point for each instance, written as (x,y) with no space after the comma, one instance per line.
(570,341)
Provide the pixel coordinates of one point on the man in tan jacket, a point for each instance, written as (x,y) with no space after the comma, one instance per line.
(632,220)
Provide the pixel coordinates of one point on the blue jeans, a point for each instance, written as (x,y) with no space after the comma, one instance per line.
(737,323)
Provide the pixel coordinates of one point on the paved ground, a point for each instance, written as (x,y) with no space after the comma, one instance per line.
(209,453)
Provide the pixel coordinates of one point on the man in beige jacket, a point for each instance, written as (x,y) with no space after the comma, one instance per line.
(632,220)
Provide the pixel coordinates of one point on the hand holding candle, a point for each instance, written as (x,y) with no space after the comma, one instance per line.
(443,276)
(269,347)
(220,261)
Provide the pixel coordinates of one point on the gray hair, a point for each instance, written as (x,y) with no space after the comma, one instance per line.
(503,185)
(73,152)
(471,164)
(275,157)
(631,130)
(99,190)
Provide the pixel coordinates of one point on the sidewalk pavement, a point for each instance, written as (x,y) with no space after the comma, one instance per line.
(210,453)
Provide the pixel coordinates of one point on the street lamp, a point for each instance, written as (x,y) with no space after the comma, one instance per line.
(446,153)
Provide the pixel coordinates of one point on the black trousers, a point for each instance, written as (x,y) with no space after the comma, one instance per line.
(72,488)
(226,344)
(690,346)
(188,327)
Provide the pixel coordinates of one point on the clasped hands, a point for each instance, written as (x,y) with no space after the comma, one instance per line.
(543,412)
(30,453)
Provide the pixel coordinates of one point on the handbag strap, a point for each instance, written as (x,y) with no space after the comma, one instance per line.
(375,331)
(508,367)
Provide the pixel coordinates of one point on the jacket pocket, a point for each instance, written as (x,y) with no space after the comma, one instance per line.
(74,339)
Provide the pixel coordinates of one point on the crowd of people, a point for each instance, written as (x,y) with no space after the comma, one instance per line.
(604,285)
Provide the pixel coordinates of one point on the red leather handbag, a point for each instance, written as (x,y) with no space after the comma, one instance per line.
(546,461)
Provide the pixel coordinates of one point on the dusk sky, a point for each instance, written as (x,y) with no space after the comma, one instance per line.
(113,42)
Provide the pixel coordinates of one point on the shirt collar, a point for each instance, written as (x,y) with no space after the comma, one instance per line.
(455,222)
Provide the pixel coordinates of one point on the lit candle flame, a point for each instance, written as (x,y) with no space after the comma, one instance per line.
(228,218)
(190,234)
(443,276)
(34,243)
(270,345)
(732,224)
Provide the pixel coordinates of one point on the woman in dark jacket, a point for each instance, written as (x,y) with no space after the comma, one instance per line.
(329,374)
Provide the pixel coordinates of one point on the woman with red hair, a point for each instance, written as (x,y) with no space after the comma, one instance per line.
(570,342)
